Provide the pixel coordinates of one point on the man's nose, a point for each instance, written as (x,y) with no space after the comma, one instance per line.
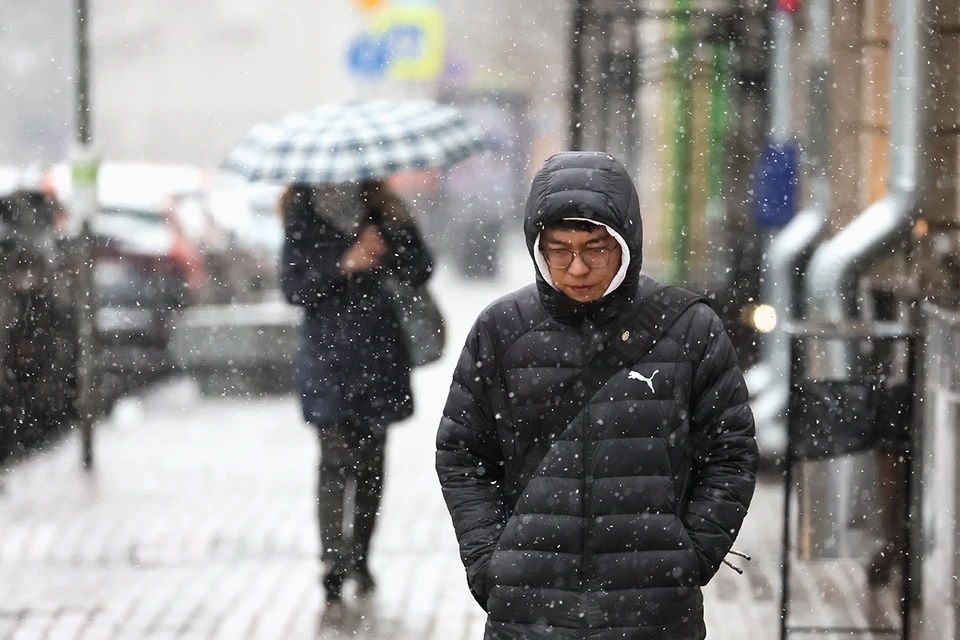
(578,267)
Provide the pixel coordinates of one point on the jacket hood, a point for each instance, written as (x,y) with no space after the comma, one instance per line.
(590,186)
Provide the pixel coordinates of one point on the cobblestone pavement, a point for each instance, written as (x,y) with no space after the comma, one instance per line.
(198,523)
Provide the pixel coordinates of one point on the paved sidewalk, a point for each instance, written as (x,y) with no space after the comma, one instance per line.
(199,523)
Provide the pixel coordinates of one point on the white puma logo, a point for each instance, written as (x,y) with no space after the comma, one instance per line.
(633,375)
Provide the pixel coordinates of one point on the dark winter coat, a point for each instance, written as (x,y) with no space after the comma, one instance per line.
(353,363)
(636,503)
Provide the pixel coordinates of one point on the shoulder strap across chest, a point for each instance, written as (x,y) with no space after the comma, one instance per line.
(631,341)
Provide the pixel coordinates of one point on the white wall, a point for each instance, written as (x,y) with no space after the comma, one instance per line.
(174,82)
(177,83)
(36,98)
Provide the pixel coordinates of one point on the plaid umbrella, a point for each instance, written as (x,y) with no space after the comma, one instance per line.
(354,141)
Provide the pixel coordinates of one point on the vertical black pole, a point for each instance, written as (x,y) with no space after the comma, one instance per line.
(86,374)
(576,73)
(785,550)
(796,349)
(912,444)
(84,132)
(632,64)
(606,90)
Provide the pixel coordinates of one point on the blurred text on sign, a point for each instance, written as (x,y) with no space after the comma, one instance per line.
(403,42)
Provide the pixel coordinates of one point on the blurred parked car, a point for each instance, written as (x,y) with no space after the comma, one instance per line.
(142,276)
(151,262)
(251,215)
(232,272)
(217,268)
(247,345)
(38,331)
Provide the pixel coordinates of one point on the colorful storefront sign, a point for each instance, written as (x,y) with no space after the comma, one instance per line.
(404,41)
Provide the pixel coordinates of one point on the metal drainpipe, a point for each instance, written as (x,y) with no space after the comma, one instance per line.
(786,259)
(838,263)
(781,80)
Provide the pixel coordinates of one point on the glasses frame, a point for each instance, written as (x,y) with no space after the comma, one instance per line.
(606,253)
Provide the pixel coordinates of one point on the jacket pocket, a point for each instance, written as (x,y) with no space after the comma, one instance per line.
(490,577)
(488,582)
(478,579)
(695,574)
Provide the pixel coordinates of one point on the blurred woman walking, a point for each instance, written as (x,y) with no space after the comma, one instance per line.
(353,365)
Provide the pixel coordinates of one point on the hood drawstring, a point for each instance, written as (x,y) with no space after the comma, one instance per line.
(739,555)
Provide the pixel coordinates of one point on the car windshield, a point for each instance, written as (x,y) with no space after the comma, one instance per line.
(144,229)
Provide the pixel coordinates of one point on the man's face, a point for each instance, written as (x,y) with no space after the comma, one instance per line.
(580,281)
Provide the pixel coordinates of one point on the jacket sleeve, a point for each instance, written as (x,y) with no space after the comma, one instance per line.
(310,260)
(470,463)
(725,452)
(409,259)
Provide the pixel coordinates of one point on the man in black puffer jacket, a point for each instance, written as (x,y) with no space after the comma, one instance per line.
(607,523)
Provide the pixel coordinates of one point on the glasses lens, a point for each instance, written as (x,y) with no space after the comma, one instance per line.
(558,258)
(595,258)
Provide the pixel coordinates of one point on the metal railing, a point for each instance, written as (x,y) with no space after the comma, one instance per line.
(940,478)
(830,419)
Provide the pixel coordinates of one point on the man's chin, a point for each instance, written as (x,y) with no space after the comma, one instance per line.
(582,295)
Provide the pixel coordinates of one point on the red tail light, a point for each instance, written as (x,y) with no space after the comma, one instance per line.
(185,252)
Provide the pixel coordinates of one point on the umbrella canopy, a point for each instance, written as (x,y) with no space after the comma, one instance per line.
(354,141)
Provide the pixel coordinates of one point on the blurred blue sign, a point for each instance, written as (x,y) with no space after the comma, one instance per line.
(775,184)
(367,57)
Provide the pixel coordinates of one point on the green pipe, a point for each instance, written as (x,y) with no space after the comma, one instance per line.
(683,140)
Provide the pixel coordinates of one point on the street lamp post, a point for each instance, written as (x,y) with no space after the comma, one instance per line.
(84,132)
(577,78)
(84,179)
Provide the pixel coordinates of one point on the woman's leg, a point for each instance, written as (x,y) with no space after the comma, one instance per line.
(335,463)
(369,477)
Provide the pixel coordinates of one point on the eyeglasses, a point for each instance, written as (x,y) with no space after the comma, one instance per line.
(563,258)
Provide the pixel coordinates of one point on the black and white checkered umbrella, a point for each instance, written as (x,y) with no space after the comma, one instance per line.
(354,141)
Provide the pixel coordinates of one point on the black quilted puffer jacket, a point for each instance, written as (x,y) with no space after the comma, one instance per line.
(635,504)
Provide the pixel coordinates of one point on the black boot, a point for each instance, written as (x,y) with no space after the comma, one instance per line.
(365,581)
(333,582)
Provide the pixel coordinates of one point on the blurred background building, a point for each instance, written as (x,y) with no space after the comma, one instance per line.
(733,115)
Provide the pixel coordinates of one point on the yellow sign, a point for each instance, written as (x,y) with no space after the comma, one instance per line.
(413,35)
